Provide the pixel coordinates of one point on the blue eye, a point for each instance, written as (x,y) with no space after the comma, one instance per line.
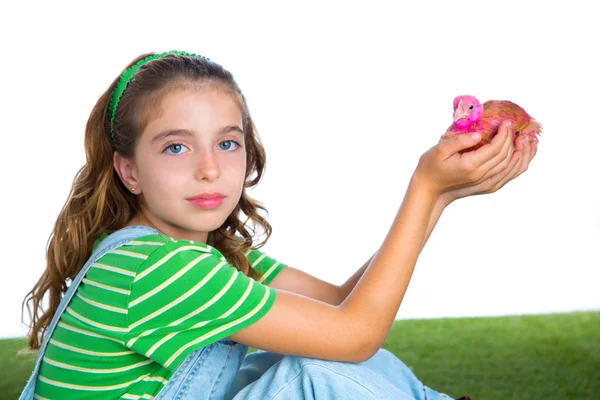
(175,148)
(232,143)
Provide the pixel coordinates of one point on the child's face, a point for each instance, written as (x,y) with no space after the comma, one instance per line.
(173,169)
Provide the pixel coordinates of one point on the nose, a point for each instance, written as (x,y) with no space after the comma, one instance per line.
(208,166)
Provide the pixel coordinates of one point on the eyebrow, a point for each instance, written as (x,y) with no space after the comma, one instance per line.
(189,133)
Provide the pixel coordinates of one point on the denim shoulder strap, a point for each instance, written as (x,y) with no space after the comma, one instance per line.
(109,243)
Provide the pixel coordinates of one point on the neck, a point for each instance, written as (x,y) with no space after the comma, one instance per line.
(464,126)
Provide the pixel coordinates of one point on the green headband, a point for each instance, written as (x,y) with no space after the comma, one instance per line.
(127,76)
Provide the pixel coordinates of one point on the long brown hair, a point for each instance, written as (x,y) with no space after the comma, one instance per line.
(98,202)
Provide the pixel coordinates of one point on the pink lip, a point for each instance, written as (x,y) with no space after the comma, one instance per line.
(207,203)
(207,196)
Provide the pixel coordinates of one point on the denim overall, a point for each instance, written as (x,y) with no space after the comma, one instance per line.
(223,370)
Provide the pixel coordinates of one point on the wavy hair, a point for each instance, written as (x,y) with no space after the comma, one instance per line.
(99,202)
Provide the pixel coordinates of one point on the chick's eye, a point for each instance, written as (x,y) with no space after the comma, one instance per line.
(471,107)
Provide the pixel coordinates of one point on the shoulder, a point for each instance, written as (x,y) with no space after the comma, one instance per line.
(180,274)
(171,255)
(176,267)
(166,251)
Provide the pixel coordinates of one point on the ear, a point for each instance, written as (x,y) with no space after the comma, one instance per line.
(127,172)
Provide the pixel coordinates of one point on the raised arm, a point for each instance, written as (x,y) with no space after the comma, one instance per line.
(356,329)
(440,205)
(299,325)
(502,174)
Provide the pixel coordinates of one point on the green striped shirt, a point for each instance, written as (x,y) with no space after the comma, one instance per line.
(141,309)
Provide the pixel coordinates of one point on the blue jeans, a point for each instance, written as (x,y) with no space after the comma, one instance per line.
(383,376)
(223,370)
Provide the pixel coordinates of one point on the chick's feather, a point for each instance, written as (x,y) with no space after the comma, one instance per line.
(471,116)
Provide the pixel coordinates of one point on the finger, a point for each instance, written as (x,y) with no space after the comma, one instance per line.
(505,167)
(492,182)
(526,157)
(514,168)
(515,163)
(513,172)
(501,160)
(500,169)
(534,151)
(519,142)
(448,135)
(457,143)
(486,153)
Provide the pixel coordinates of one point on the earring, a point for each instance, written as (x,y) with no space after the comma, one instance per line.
(133,189)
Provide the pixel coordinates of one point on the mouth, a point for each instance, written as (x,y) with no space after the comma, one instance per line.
(460,112)
(207,196)
(205,203)
(458,116)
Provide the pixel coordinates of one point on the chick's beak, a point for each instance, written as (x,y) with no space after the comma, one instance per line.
(460,112)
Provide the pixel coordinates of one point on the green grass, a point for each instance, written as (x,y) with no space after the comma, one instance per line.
(554,356)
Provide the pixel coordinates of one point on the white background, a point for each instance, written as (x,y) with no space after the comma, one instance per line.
(346,97)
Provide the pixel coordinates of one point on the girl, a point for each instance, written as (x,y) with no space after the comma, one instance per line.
(156,289)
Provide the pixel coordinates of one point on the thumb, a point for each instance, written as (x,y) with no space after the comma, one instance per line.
(448,135)
(461,142)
